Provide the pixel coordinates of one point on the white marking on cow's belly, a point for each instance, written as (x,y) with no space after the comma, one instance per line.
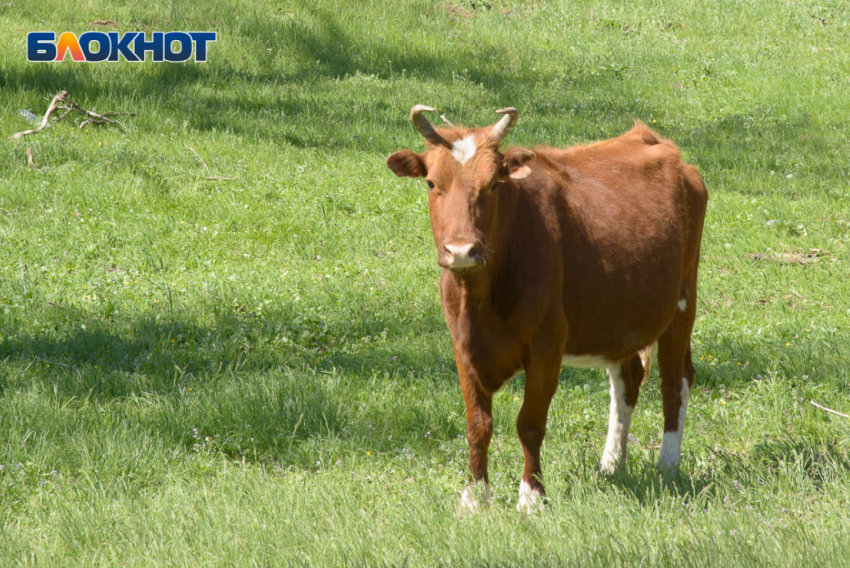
(529,498)
(585,361)
(464,149)
(683,303)
(671,445)
(619,420)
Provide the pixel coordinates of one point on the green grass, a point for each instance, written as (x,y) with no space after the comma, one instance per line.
(257,372)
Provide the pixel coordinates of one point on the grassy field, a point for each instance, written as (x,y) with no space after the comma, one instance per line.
(257,372)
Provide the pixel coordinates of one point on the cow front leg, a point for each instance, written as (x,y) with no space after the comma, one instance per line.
(540,385)
(479,430)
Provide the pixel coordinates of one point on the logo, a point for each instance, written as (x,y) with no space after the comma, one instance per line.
(175,47)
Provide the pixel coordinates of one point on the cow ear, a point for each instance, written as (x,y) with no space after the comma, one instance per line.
(514,166)
(406,163)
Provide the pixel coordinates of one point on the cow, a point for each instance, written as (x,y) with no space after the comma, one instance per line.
(585,256)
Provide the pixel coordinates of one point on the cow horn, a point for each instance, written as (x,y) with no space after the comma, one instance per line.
(506,124)
(424,127)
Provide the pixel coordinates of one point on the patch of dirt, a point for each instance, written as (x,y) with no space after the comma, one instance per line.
(456,13)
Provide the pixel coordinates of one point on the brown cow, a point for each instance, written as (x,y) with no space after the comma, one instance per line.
(586,257)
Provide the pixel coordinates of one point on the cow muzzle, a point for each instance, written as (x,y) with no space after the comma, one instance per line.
(461,256)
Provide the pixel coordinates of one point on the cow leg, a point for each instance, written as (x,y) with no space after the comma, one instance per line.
(625,379)
(479,430)
(677,375)
(541,381)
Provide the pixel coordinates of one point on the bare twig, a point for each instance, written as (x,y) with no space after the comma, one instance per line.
(45,122)
(829,410)
(200,158)
(210,178)
(70,106)
(93,117)
(31,162)
(23,275)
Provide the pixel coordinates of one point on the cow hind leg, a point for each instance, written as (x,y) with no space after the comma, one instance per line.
(625,379)
(677,375)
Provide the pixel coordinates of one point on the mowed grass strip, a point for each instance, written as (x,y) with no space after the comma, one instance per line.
(255,371)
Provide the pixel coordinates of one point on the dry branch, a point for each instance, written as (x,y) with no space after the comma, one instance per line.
(829,409)
(93,117)
(45,122)
(70,106)
(31,162)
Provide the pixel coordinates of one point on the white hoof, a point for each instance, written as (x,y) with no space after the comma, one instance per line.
(472,497)
(610,464)
(530,500)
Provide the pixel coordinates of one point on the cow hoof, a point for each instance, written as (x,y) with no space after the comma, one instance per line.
(610,465)
(668,469)
(473,496)
(530,499)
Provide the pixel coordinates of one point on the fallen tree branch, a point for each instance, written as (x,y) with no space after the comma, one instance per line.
(70,106)
(93,117)
(45,122)
(829,410)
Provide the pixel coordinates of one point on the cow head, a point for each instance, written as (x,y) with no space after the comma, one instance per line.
(467,177)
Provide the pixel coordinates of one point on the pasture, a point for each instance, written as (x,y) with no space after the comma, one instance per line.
(256,371)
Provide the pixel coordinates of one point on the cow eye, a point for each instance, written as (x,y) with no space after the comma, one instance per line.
(495,186)
(430,184)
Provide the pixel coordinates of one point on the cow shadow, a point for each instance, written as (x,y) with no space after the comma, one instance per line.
(724,476)
(277,379)
(235,378)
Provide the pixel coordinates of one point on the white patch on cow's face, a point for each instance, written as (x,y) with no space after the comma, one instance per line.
(619,420)
(530,499)
(671,445)
(473,495)
(683,303)
(464,149)
(584,361)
